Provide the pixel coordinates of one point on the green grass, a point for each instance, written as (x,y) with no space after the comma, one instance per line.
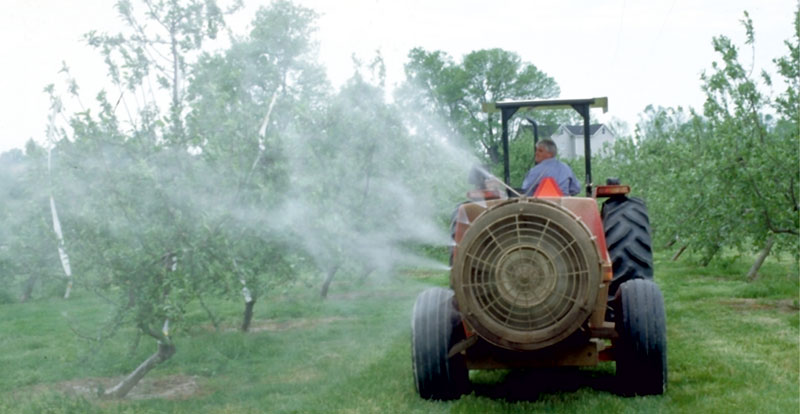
(733,347)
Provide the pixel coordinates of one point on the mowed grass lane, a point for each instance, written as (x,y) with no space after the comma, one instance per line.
(733,347)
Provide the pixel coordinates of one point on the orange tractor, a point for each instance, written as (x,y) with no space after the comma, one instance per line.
(544,281)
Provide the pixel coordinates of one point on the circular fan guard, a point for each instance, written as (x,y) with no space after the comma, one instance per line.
(526,274)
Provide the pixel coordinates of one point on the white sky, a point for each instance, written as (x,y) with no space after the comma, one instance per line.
(636,52)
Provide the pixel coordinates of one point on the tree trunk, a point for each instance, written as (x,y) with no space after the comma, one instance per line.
(753,273)
(248,314)
(165,352)
(678,253)
(131,298)
(135,346)
(328,279)
(368,271)
(210,314)
(69,288)
(710,255)
(28,290)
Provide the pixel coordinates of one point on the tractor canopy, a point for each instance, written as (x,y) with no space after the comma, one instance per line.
(582,106)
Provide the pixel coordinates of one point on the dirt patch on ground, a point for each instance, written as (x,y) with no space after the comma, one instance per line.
(297,377)
(171,387)
(271,325)
(370,295)
(745,304)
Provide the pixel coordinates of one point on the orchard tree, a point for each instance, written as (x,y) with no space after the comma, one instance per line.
(457,91)
(338,161)
(360,191)
(726,178)
(28,248)
(759,153)
(125,207)
(133,191)
(667,158)
(242,101)
(161,40)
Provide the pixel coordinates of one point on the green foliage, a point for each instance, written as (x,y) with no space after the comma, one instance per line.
(727,178)
(456,91)
(359,180)
(259,171)
(138,234)
(755,155)
(131,199)
(241,100)
(158,42)
(28,247)
(256,170)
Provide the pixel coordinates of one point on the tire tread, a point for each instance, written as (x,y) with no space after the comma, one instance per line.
(435,329)
(627,230)
(642,351)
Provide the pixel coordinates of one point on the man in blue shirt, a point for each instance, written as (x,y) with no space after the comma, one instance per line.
(548,166)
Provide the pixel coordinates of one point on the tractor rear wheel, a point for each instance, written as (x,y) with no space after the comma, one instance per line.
(627,230)
(435,328)
(641,350)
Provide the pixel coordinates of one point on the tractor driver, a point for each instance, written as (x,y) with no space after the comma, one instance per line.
(548,166)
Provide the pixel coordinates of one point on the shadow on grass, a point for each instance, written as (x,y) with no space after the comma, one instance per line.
(530,385)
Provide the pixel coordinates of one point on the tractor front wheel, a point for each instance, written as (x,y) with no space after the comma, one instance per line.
(641,350)
(435,328)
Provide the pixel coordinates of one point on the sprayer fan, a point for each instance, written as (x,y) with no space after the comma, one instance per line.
(526,274)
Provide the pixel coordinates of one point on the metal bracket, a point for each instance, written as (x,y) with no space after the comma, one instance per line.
(462,346)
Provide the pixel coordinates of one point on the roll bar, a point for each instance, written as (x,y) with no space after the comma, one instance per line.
(582,106)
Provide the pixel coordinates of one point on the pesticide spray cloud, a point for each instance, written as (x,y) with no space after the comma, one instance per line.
(366,187)
(351,182)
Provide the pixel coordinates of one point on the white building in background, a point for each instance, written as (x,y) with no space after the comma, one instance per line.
(569,139)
